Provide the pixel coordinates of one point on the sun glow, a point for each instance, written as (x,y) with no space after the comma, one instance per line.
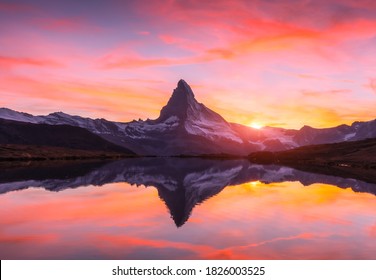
(255,125)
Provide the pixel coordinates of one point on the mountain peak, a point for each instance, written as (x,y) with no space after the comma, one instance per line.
(181,99)
(184,88)
(60,114)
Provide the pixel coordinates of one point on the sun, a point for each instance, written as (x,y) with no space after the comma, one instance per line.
(255,125)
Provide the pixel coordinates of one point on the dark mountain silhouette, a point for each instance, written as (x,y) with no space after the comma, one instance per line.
(344,158)
(66,136)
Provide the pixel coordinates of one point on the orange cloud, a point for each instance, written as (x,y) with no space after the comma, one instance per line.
(45,238)
(220,53)
(138,243)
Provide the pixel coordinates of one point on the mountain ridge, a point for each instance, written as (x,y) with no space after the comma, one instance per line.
(63,136)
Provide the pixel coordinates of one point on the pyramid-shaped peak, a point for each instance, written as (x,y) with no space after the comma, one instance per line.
(182,82)
(184,88)
(182,98)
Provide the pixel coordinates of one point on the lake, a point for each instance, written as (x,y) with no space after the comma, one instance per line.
(174,208)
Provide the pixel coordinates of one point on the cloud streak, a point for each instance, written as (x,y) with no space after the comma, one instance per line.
(9,62)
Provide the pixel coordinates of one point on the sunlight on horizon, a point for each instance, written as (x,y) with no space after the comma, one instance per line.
(256,125)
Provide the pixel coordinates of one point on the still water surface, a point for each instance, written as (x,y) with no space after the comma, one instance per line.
(183,209)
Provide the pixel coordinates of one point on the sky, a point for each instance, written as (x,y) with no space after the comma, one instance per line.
(279,63)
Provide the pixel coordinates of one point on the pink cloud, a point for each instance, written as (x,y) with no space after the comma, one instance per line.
(116,59)
(184,43)
(9,62)
(244,28)
(352,30)
(372,84)
(66,25)
(168,39)
(134,62)
(372,230)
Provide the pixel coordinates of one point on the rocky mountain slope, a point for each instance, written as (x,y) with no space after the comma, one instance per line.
(63,136)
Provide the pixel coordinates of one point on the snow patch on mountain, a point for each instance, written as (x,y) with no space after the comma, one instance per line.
(8,114)
(349,136)
(271,133)
(152,181)
(280,175)
(210,129)
(210,177)
(140,129)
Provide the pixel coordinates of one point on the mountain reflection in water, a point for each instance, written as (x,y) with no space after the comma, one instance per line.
(221,209)
(181,183)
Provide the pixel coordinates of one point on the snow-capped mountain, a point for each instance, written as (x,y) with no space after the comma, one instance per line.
(187,127)
(8,114)
(196,118)
(183,127)
(357,131)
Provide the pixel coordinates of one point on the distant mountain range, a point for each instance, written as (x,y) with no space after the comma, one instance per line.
(184,127)
(356,159)
(67,136)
